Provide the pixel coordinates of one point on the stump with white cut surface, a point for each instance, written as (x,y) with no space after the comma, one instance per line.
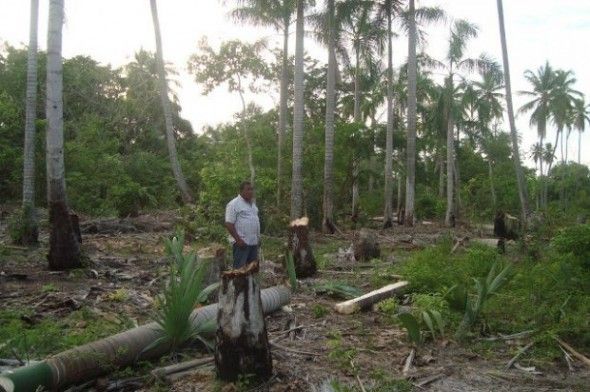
(300,248)
(366,300)
(242,347)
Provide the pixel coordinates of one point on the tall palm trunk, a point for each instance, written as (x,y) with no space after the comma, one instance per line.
(64,249)
(30,234)
(449,215)
(492,187)
(520,180)
(357,120)
(328,206)
(411,137)
(283,109)
(579,147)
(298,119)
(441,173)
(561,146)
(170,139)
(246,134)
(387,213)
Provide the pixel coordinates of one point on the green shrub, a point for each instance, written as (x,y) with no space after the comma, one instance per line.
(574,240)
(202,223)
(128,198)
(21,230)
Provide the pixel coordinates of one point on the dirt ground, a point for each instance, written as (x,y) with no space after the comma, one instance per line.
(124,272)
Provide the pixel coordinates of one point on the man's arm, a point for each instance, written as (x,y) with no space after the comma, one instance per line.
(231,228)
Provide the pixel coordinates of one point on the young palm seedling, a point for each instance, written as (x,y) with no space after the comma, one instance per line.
(184,291)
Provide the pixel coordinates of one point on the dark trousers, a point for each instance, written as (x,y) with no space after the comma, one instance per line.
(244,255)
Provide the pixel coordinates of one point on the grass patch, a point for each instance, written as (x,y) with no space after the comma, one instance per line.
(51,335)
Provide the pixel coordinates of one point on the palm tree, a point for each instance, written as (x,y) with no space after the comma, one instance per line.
(298,118)
(411,134)
(461,32)
(29,221)
(563,101)
(366,35)
(580,116)
(64,248)
(171,141)
(277,14)
(520,180)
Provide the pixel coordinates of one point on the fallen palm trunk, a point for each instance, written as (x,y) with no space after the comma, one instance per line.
(364,301)
(241,340)
(103,356)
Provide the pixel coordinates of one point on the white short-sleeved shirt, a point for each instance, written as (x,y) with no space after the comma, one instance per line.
(244,216)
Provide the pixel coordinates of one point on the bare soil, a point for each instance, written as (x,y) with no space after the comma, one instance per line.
(124,272)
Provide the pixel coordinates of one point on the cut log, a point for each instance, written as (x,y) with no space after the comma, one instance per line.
(242,347)
(491,242)
(366,246)
(214,256)
(300,248)
(366,300)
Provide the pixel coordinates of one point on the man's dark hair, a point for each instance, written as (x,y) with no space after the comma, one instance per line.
(244,184)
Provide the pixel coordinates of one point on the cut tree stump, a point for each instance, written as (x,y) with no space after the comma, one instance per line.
(366,246)
(366,300)
(242,347)
(214,256)
(300,248)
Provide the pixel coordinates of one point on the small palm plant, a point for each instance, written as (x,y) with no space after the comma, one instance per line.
(182,294)
(484,288)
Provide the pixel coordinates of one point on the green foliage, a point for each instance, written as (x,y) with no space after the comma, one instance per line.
(574,240)
(337,290)
(183,292)
(435,269)
(484,288)
(319,311)
(19,227)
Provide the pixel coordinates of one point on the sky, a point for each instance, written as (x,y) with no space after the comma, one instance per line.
(111,31)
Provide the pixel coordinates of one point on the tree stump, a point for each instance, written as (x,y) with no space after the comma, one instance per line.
(300,248)
(366,246)
(242,346)
(214,256)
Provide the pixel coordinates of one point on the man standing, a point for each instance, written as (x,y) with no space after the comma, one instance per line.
(242,223)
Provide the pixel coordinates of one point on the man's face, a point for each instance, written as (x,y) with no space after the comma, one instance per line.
(248,192)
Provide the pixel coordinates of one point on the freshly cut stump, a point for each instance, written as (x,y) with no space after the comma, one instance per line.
(300,248)
(242,346)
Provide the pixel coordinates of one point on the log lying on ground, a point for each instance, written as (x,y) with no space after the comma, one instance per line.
(300,248)
(366,246)
(366,300)
(103,356)
(491,242)
(241,341)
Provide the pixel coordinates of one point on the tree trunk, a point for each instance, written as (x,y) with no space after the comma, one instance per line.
(283,110)
(170,139)
(567,143)
(387,212)
(246,134)
(492,188)
(64,248)
(411,137)
(441,174)
(450,213)
(29,218)
(328,205)
(242,347)
(366,246)
(357,120)
(520,180)
(300,248)
(579,147)
(561,147)
(298,119)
